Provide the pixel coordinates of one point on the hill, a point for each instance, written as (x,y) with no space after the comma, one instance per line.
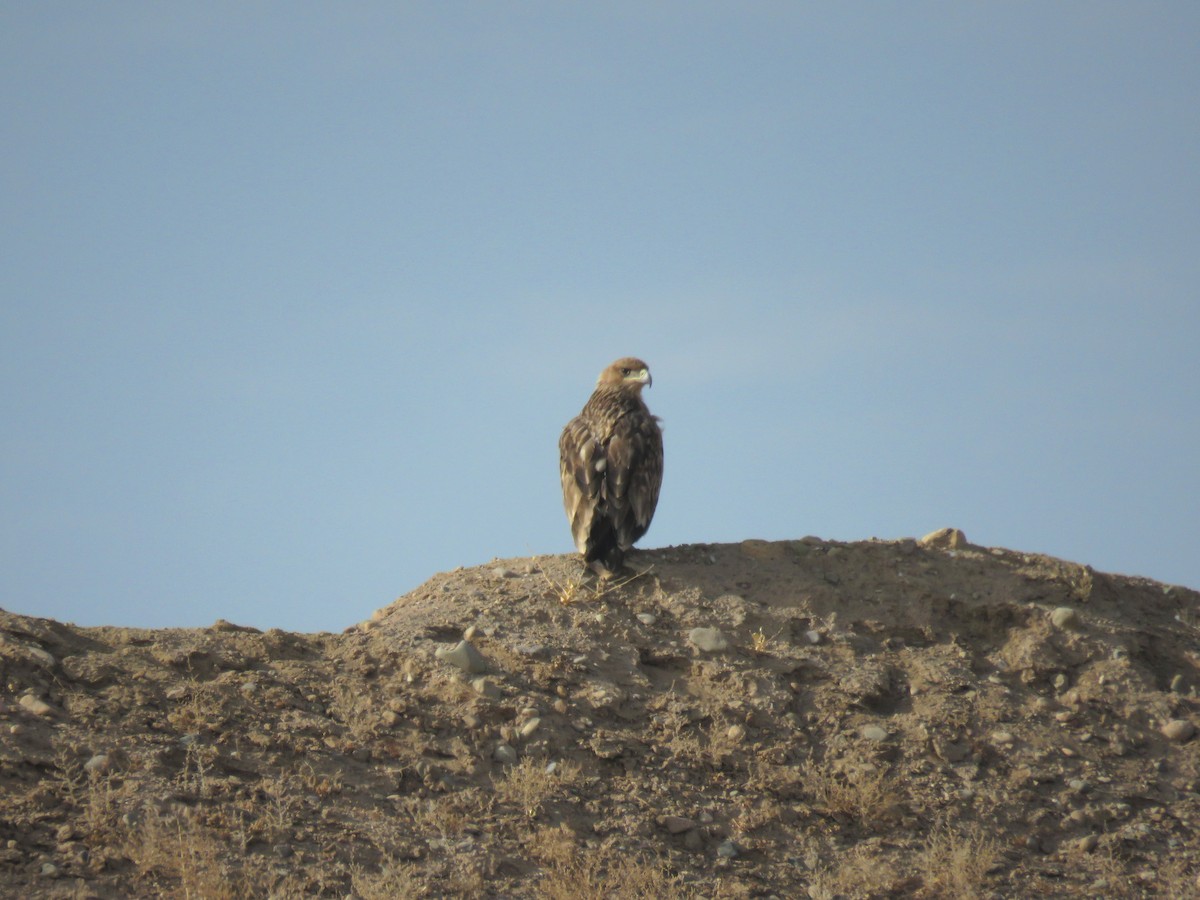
(789,719)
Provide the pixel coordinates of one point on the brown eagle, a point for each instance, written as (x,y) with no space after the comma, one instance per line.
(611,462)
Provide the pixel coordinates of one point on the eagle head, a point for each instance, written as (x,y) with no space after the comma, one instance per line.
(629,371)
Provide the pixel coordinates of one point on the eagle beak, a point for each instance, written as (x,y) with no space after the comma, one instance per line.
(644,377)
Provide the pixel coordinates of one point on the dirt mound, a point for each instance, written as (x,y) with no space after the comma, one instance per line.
(791,719)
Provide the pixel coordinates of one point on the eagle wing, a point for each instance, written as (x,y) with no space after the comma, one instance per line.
(581,465)
(611,469)
(634,475)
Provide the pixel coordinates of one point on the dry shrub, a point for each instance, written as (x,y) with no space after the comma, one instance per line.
(954,862)
(183,859)
(528,785)
(857,873)
(862,792)
(609,875)
(395,880)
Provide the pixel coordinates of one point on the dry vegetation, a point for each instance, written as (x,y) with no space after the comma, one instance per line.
(792,719)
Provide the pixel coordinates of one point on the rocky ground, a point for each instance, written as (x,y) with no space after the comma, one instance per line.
(792,719)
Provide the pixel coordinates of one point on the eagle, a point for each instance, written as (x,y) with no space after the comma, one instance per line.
(611,463)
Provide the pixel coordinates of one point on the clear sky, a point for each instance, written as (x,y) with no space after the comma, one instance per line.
(296,297)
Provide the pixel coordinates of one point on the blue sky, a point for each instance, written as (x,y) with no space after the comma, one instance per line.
(296,298)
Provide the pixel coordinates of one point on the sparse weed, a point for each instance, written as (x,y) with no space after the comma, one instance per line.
(955,862)
(857,873)
(395,880)
(607,875)
(860,791)
(528,784)
(575,588)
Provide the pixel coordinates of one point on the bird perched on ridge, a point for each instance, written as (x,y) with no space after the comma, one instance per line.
(611,463)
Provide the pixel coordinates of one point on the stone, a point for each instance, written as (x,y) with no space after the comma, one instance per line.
(100,763)
(463,656)
(36,705)
(727,849)
(1178,730)
(945,539)
(676,824)
(1066,618)
(873,733)
(647,618)
(530,727)
(504,753)
(710,640)
(486,688)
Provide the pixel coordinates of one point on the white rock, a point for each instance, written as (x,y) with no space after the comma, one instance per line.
(36,705)
(1179,730)
(710,640)
(874,733)
(1066,617)
(463,656)
(100,763)
(485,687)
(647,618)
(504,753)
(944,538)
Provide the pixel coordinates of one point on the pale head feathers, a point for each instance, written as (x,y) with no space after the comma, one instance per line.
(629,371)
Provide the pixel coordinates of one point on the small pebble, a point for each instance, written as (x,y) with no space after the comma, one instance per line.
(46,659)
(36,705)
(1066,617)
(873,733)
(676,824)
(463,656)
(530,727)
(710,640)
(813,637)
(1002,737)
(100,763)
(49,870)
(504,753)
(727,850)
(647,618)
(487,688)
(736,732)
(1179,730)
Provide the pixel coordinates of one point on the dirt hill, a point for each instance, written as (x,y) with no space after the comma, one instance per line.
(793,719)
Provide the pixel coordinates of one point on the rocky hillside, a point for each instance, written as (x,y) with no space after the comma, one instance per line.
(793,719)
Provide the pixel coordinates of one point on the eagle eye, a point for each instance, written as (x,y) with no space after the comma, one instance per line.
(625,372)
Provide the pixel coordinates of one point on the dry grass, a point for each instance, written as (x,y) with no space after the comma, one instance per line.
(599,875)
(180,858)
(954,862)
(528,784)
(581,587)
(395,880)
(858,790)
(859,872)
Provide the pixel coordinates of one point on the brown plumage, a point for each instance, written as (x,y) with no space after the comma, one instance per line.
(611,463)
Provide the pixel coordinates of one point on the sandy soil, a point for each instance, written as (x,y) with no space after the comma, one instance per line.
(791,719)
